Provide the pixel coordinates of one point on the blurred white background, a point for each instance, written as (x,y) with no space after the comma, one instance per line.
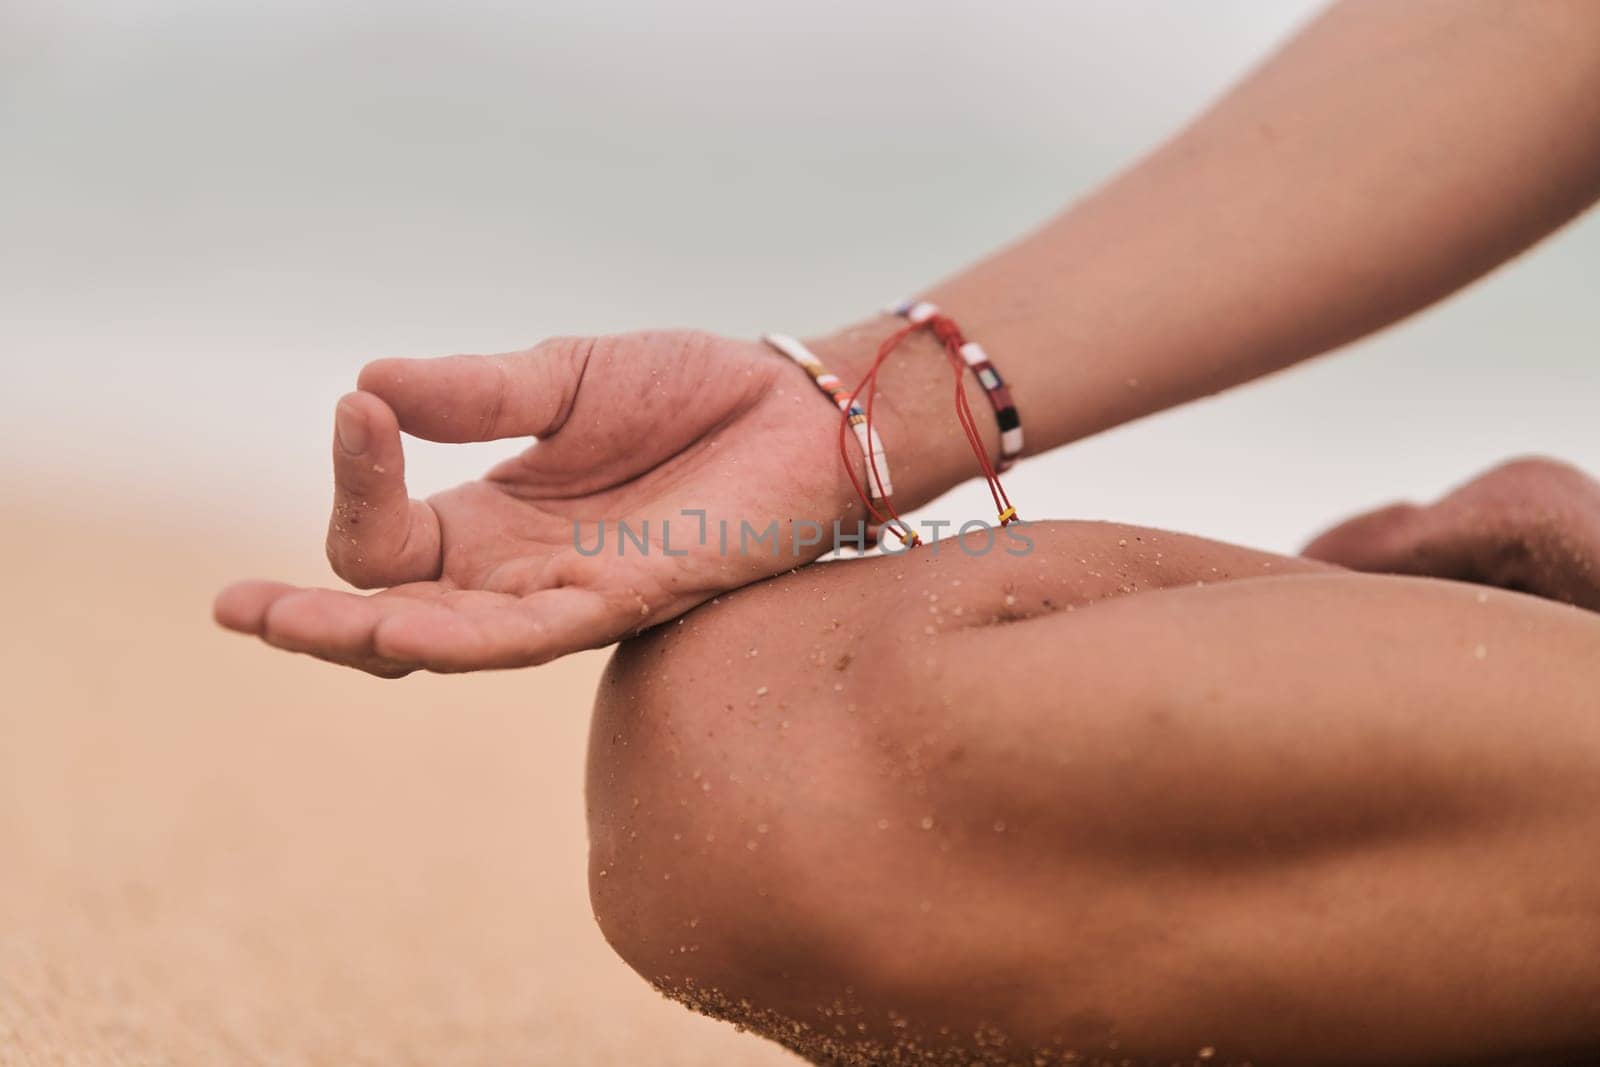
(216,210)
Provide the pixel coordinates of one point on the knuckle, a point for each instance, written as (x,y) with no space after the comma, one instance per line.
(277,625)
(558,348)
(340,542)
(697,349)
(1530,472)
(559,366)
(334,550)
(348,559)
(494,411)
(561,358)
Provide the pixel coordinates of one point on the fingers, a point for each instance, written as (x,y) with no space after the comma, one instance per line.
(330,625)
(377,535)
(1403,539)
(1532,525)
(1376,541)
(490,631)
(483,398)
(335,626)
(419,627)
(243,606)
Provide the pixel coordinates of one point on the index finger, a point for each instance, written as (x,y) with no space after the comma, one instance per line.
(484,398)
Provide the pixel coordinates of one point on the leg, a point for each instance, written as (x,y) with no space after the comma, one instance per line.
(996,810)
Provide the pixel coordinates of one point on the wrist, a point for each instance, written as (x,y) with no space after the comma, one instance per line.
(914,409)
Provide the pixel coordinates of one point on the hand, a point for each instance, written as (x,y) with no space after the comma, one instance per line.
(1532,525)
(633,428)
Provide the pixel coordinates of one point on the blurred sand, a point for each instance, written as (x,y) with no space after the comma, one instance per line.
(215,853)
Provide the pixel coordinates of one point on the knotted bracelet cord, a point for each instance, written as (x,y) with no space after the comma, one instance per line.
(951,341)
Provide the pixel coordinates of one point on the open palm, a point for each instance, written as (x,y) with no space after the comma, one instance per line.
(529,563)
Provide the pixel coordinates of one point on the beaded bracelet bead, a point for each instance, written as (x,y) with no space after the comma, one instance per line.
(878,484)
(879,488)
(920,312)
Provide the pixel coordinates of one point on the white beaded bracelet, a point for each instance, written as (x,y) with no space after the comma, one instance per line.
(878,484)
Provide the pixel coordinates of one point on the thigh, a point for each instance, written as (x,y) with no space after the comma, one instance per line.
(1318,818)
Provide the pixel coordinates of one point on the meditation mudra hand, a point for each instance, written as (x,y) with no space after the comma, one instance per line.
(633,429)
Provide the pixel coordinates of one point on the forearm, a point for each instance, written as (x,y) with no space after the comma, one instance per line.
(1386,156)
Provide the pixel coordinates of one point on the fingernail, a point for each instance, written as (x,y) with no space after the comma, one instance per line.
(350,426)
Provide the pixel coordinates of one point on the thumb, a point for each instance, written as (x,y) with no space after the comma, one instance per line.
(377,534)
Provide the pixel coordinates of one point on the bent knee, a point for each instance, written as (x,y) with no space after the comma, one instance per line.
(766,838)
(716,769)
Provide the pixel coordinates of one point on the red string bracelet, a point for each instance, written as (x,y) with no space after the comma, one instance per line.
(962,354)
(856,414)
(878,490)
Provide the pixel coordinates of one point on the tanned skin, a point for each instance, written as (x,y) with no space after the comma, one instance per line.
(1132,796)
(1292,815)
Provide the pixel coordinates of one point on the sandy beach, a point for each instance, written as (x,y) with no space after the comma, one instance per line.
(214,853)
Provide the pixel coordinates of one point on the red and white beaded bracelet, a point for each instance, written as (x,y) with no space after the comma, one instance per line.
(961,355)
(878,484)
(879,488)
(921,312)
